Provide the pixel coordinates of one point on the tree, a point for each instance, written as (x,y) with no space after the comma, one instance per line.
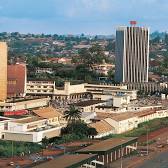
(45,142)
(72,115)
(111,74)
(80,129)
(110,46)
(93,55)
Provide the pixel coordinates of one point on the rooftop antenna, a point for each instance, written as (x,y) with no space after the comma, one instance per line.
(133,23)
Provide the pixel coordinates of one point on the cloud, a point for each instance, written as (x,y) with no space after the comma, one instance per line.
(92,16)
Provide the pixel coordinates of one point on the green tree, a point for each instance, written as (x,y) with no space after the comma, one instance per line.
(45,142)
(93,55)
(80,129)
(72,115)
(111,74)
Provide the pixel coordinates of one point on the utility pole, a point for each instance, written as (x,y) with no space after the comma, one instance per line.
(147,140)
(121,164)
(12,149)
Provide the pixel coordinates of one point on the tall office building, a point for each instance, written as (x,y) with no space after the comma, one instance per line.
(3,71)
(132,54)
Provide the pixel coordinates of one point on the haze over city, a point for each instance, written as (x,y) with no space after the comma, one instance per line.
(83,83)
(80,16)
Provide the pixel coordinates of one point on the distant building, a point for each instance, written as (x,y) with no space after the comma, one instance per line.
(44,70)
(148,87)
(44,88)
(132,54)
(103,68)
(62,60)
(3,71)
(17,79)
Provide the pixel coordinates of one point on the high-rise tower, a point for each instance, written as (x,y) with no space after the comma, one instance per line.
(3,71)
(132,54)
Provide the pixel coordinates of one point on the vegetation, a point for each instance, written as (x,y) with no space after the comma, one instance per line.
(93,55)
(72,115)
(9,148)
(76,129)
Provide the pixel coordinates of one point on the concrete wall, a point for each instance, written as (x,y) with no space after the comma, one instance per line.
(3,71)
(31,136)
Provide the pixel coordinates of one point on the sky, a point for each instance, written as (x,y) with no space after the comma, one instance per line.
(80,16)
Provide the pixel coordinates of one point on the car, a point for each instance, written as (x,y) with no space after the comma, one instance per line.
(11,164)
(50,158)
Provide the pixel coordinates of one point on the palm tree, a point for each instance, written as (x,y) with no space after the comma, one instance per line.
(72,115)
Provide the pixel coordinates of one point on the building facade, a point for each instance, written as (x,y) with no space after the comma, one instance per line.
(3,71)
(132,54)
(17,79)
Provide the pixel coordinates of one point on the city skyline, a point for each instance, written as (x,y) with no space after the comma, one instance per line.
(80,16)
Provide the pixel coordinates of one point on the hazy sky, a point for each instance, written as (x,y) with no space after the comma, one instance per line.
(80,16)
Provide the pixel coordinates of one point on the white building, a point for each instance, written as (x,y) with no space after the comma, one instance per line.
(121,101)
(89,105)
(24,104)
(40,88)
(123,122)
(127,121)
(30,129)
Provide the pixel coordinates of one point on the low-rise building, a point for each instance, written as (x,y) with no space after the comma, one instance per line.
(110,109)
(53,116)
(24,104)
(87,117)
(127,121)
(147,86)
(123,122)
(40,88)
(103,128)
(121,101)
(44,70)
(111,149)
(78,91)
(3,125)
(89,105)
(30,129)
(103,68)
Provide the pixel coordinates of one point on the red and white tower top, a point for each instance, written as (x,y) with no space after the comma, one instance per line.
(133,23)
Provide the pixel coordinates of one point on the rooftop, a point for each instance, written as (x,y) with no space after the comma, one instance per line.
(48,112)
(88,103)
(108,145)
(68,161)
(123,116)
(28,120)
(102,126)
(145,113)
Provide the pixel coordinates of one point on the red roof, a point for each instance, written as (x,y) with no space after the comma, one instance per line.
(18,112)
